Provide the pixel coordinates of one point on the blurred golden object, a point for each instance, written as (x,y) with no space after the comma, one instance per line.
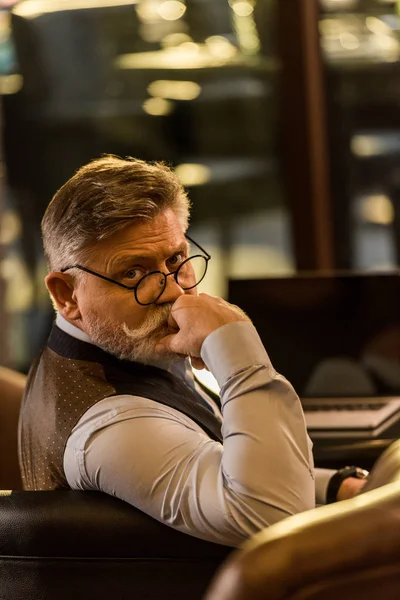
(171,10)
(192,174)
(32,9)
(377,209)
(220,47)
(10,84)
(242,9)
(174,90)
(10,228)
(158,107)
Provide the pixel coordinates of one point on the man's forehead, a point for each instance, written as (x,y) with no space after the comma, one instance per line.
(164,229)
(142,243)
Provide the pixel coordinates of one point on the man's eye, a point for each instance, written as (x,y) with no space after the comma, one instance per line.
(134,274)
(177,259)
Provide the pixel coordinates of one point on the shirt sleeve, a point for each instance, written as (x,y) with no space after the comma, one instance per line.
(160,461)
(322,479)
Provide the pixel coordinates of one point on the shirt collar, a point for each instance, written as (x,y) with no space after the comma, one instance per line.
(72,330)
(180,368)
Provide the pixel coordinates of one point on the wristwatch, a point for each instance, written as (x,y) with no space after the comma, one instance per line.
(338,478)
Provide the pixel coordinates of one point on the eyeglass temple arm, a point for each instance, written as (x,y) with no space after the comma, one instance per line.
(198,245)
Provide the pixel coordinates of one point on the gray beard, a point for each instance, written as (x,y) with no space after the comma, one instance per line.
(137,345)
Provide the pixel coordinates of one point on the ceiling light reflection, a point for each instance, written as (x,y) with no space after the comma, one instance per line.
(34,8)
(10,227)
(331,28)
(189,48)
(11,84)
(242,9)
(158,107)
(349,41)
(196,57)
(220,47)
(192,174)
(147,10)
(175,39)
(171,10)
(378,26)
(378,209)
(367,145)
(339,4)
(174,90)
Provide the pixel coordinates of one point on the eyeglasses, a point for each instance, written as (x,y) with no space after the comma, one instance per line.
(151,286)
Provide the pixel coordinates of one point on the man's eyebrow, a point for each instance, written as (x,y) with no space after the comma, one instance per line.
(127,259)
(184,246)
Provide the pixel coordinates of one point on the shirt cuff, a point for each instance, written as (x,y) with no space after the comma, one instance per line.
(233,348)
(322,479)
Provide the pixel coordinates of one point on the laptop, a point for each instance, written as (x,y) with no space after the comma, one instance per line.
(336,338)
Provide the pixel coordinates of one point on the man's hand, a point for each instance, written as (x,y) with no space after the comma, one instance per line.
(350,487)
(194,318)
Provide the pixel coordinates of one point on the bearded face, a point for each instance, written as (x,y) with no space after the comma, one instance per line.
(133,344)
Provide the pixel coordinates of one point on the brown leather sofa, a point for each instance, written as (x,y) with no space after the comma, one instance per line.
(346,551)
(86,545)
(11,389)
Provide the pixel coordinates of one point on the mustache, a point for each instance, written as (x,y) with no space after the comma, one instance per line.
(156,321)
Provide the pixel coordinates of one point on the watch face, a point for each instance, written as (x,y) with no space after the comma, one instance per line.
(353,471)
(361,473)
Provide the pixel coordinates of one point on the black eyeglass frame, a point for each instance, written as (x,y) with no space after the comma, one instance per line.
(133,288)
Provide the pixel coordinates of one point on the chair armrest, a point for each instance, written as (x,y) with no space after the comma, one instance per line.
(90,524)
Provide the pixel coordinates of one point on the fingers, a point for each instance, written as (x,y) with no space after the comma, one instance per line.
(165,345)
(174,343)
(197,363)
(177,343)
(172,324)
(171,344)
(192,319)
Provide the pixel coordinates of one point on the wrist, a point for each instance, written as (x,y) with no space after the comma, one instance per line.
(338,484)
(231,349)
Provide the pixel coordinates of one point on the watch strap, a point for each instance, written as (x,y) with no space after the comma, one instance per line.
(338,478)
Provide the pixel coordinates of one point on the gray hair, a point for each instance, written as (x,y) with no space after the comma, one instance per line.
(103,197)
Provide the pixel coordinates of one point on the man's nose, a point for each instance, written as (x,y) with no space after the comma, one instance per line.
(172,291)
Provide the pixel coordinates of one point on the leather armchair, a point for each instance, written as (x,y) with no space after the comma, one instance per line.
(67,544)
(348,551)
(11,389)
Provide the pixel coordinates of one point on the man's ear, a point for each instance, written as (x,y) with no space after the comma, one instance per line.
(62,289)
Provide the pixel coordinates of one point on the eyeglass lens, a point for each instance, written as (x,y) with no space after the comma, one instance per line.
(188,275)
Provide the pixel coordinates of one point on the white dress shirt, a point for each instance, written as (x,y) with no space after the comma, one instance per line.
(159,460)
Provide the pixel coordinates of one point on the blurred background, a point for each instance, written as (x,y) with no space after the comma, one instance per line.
(282,118)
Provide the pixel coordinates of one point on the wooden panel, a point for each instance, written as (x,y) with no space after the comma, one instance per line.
(305,148)
(4,346)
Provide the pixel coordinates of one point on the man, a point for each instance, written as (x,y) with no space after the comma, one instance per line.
(111,404)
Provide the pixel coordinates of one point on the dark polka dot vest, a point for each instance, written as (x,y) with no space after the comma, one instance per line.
(67,379)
